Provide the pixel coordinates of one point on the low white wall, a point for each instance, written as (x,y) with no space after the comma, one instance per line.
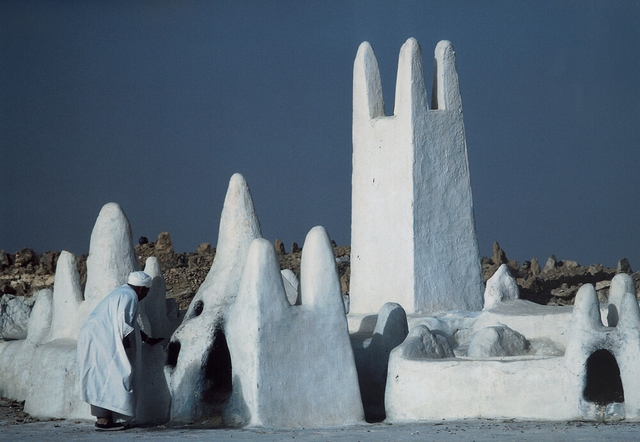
(508,388)
(53,383)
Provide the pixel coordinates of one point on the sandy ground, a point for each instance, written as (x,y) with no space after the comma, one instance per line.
(472,430)
(16,425)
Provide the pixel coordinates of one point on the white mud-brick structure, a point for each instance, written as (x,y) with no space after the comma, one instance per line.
(198,366)
(293,365)
(413,234)
(42,369)
(569,367)
(252,349)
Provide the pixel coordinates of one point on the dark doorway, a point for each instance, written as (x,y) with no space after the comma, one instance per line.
(603,385)
(217,386)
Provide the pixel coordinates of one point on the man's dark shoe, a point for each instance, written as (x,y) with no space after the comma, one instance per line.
(110,426)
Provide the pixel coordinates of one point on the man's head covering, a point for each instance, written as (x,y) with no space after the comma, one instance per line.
(139,279)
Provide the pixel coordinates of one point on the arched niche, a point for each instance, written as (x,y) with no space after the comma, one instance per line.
(603,383)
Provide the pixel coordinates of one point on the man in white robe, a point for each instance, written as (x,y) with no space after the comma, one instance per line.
(106,368)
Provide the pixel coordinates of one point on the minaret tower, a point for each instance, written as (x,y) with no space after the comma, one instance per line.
(413,236)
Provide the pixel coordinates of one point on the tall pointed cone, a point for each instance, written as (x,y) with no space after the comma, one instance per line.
(586,313)
(40,319)
(111,254)
(585,331)
(200,338)
(368,102)
(446,91)
(629,313)
(67,296)
(153,309)
(261,289)
(621,284)
(411,95)
(259,311)
(319,279)
(239,226)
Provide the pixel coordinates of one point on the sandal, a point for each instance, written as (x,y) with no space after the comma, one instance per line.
(110,426)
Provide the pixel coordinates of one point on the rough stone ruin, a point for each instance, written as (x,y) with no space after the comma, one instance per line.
(423,340)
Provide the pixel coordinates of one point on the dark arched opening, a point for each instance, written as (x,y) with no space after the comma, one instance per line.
(173,351)
(217,385)
(603,385)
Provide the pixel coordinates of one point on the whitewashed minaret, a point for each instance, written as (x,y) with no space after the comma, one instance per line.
(413,236)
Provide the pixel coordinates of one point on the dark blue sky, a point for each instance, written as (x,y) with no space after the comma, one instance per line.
(154,105)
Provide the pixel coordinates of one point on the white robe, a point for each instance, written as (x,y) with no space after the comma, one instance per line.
(106,373)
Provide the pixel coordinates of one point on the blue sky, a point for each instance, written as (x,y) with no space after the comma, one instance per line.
(154,105)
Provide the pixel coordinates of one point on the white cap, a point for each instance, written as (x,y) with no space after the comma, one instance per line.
(139,279)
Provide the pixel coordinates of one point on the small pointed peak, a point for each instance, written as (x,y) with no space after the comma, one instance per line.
(112,255)
(152,267)
(158,292)
(500,287)
(40,318)
(586,311)
(620,284)
(110,209)
(67,297)
(239,226)
(629,312)
(261,288)
(443,47)
(261,254)
(446,91)
(368,102)
(153,311)
(237,180)
(319,280)
(238,222)
(411,94)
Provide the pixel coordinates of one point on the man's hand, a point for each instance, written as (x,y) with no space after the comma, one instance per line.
(149,340)
(153,341)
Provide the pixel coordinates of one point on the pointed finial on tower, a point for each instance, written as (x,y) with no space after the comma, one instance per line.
(446,91)
(411,94)
(367,88)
